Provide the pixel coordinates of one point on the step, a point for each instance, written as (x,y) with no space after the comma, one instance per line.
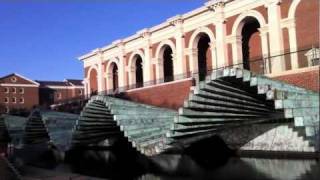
(192,113)
(290,113)
(281,95)
(227,99)
(135,134)
(225,93)
(213,108)
(186,120)
(126,120)
(140,127)
(188,128)
(135,112)
(295,103)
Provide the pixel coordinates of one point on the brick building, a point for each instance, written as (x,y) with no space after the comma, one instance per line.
(277,38)
(20,93)
(53,92)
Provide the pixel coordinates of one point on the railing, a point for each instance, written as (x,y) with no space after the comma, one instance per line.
(259,65)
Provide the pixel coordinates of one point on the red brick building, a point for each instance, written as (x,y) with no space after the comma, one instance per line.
(53,92)
(18,92)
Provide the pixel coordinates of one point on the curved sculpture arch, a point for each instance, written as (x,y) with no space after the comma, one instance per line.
(50,127)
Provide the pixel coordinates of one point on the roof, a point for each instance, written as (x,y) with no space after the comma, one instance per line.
(75,82)
(18,75)
(53,83)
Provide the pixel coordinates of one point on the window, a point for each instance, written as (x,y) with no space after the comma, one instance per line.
(13,100)
(21,90)
(13,79)
(6,90)
(13,90)
(59,95)
(80,92)
(313,56)
(21,100)
(6,100)
(7,109)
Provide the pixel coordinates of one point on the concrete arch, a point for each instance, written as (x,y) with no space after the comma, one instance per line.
(91,86)
(159,57)
(293,8)
(160,48)
(132,66)
(238,24)
(193,46)
(194,39)
(110,76)
(237,35)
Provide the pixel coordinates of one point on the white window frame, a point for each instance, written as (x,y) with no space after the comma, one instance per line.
(13,79)
(21,92)
(59,95)
(6,100)
(15,100)
(15,90)
(7,109)
(6,90)
(21,102)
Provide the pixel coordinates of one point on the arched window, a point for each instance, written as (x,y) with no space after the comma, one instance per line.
(203,55)
(167,64)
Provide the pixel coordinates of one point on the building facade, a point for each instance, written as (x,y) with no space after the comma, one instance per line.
(54,92)
(18,92)
(278,38)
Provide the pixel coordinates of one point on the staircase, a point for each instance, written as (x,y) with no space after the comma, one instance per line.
(106,118)
(49,126)
(233,97)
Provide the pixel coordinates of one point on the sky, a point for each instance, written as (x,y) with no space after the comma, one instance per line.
(42,39)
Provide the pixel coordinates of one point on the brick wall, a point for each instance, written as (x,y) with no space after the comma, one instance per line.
(308,80)
(169,95)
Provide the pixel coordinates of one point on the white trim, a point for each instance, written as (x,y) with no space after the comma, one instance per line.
(21,92)
(18,85)
(6,90)
(6,100)
(293,8)
(62,87)
(15,100)
(33,82)
(21,102)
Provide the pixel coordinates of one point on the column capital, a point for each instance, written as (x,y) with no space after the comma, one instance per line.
(176,20)
(288,23)
(215,5)
(263,30)
(191,51)
(234,39)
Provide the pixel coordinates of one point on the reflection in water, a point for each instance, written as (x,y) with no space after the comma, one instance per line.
(239,168)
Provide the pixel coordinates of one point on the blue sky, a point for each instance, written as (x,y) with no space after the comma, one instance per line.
(41,39)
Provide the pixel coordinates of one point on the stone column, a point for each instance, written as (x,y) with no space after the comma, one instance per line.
(265,49)
(236,44)
(275,36)
(214,58)
(293,44)
(180,67)
(86,87)
(132,76)
(109,82)
(147,63)
(193,60)
(159,71)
